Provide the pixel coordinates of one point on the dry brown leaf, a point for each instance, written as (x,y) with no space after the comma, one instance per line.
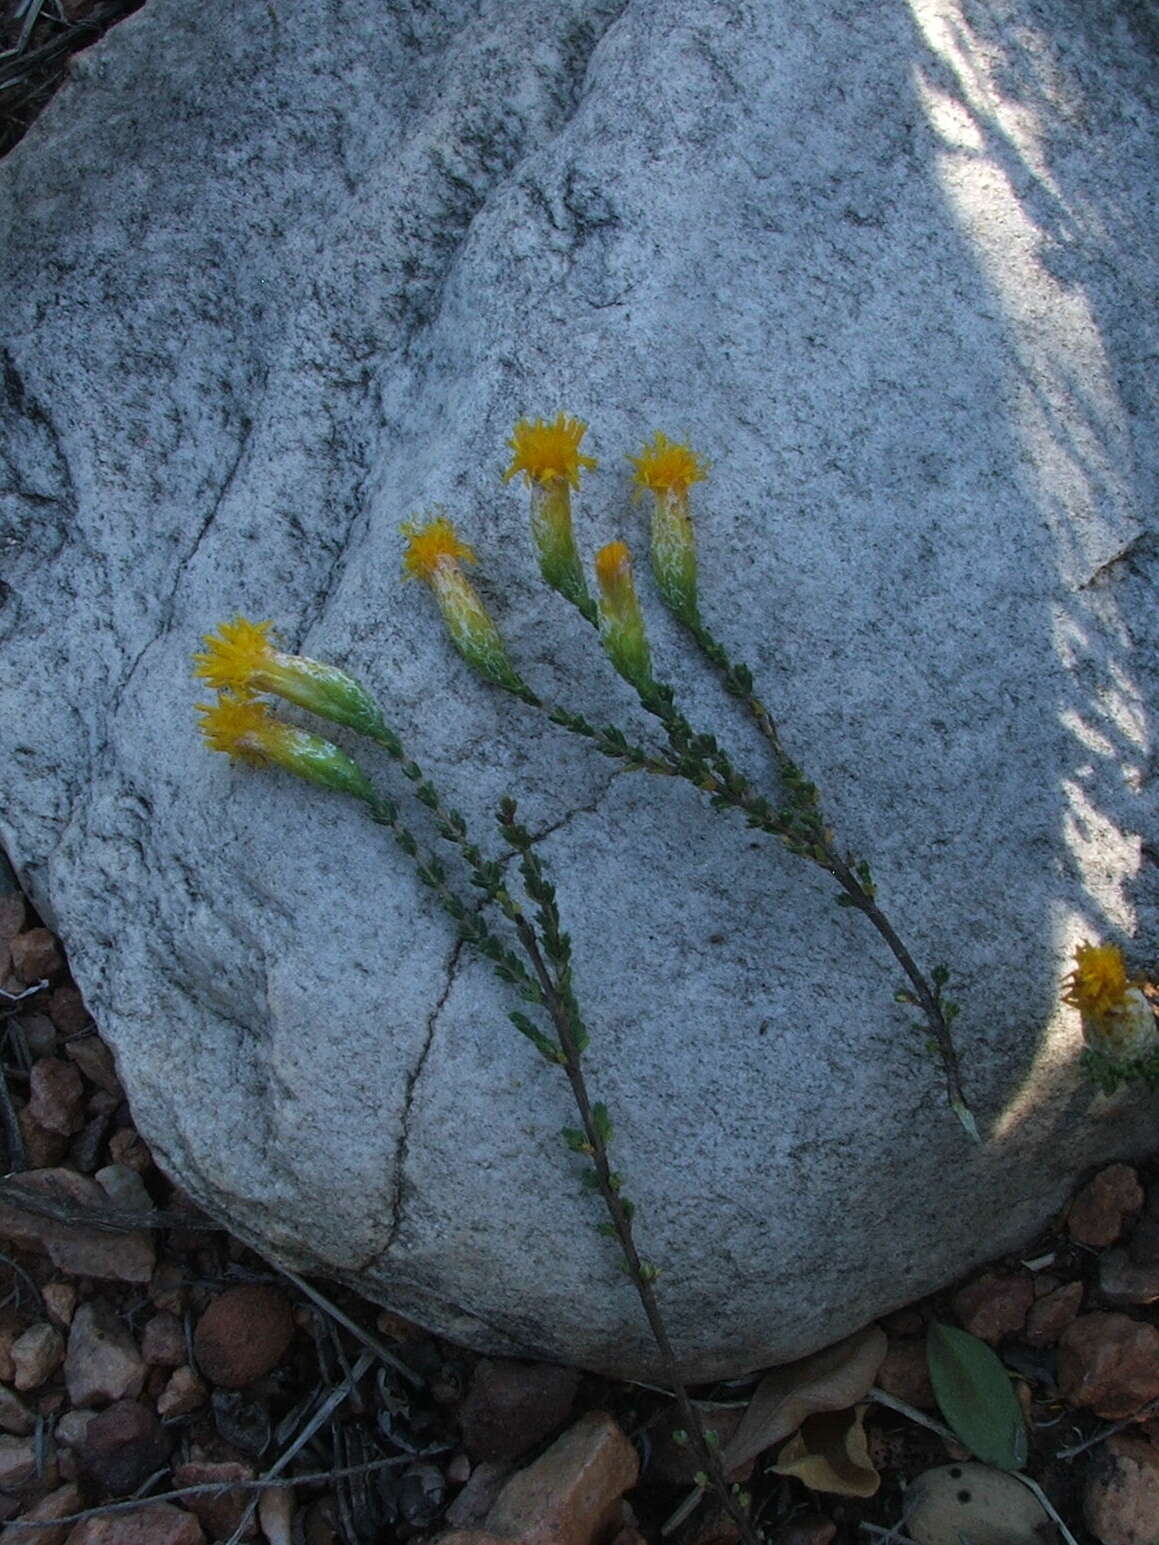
(831,1380)
(830,1453)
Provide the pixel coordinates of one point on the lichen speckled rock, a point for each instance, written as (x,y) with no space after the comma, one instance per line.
(270,283)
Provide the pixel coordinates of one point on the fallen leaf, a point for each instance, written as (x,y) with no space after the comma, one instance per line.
(831,1380)
(830,1452)
(976,1396)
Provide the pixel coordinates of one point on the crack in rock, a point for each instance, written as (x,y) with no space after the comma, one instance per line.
(402,1147)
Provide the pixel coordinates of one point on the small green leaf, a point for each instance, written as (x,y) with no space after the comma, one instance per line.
(542,1043)
(601,1121)
(976,1397)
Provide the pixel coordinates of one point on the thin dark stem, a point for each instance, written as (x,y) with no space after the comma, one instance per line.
(571,1043)
(807,834)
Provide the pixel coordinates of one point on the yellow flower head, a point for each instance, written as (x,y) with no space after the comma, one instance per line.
(244,729)
(235,655)
(666,467)
(545,452)
(241,726)
(431,545)
(1098,984)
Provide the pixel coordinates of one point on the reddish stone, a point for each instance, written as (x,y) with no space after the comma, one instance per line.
(95,1061)
(571,1494)
(67,1010)
(74,1247)
(1050,1315)
(15,1416)
(60,1301)
(1099,1211)
(36,956)
(183,1393)
(17,1461)
(243,1334)
(36,1355)
(12,1325)
(42,1149)
(163,1341)
(167,1289)
(995,1305)
(1109,1363)
(220,1512)
(39,1034)
(128,1148)
(1121,1500)
(905,1374)
(60,1503)
(56,1096)
(102,1363)
(157,1523)
(511,1406)
(1123,1281)
(122,1446)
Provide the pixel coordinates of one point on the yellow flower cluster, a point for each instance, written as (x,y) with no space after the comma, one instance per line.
(241,662)
(1117,1018)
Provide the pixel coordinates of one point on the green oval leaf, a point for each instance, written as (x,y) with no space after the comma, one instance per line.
(976,1397)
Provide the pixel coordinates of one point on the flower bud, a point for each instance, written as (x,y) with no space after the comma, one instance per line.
(433,554)
(621,621)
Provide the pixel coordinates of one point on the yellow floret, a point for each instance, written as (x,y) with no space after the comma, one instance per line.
(241,727)
(235,654)
(544,451)
(1098,984)
(666,467)
(429,545)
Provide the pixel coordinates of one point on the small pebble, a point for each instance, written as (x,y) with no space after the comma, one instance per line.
(67,1011)
(36,1355)
(1109,1363)
(512,1406)
(60,1301)
(103,1362)
(122,1446)
(15,1416)
(17,1461)
(163,1341)
(1050,1315)
(157,1523)
(220,1512)
(184,1392)
(1121,1499)
(995,1305)
(36,955)
(1099,1211)
(60,1503)
(243,1334)
(1121,1281)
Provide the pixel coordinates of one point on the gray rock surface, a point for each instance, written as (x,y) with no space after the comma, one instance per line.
(271,281)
